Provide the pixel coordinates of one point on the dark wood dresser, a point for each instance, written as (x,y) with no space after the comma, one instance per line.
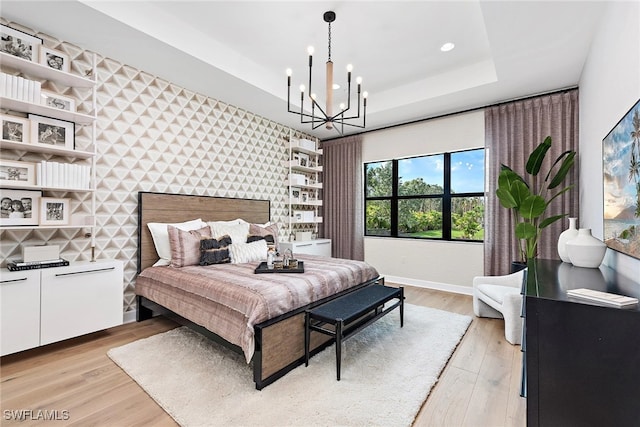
(581,359)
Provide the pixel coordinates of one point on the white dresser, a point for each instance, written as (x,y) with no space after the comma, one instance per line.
(39,307)
(320,247)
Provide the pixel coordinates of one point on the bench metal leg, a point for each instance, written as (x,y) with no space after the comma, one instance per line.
(338,346)
(401,306)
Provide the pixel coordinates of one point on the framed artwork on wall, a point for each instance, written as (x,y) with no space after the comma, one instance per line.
(17,43)
(19,207)
(621,181)
(14,129)
(59,133)
(17,173)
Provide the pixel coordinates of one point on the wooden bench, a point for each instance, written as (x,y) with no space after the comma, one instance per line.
(349,314)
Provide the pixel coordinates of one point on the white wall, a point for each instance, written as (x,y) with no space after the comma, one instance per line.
(609,87)
(435,264)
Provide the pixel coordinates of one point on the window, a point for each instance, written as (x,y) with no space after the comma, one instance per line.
(439,196)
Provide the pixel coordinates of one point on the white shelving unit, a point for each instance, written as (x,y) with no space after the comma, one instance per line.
(32,70)
(304,183)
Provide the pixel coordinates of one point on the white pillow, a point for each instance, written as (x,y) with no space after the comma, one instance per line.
(248,252)
(160,237)
(236,230)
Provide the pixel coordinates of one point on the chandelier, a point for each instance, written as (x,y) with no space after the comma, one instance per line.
(325,116)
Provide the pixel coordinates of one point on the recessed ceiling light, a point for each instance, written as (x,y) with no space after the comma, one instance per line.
(336,86)
(447,47)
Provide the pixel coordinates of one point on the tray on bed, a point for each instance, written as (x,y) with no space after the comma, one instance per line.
(262,268)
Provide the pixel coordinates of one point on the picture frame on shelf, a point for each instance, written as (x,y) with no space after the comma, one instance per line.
(15,129)
(295,193)
(54,132)
(55,59)
(18,43)
(54,211)
(303,159)
(60,102)
(17,173)
(19,207)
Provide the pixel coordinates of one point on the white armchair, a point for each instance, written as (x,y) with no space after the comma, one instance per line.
(500,297)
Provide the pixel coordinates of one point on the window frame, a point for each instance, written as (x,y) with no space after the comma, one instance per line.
(446,197)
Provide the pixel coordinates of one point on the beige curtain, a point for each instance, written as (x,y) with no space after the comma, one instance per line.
(512,131)
(343,199)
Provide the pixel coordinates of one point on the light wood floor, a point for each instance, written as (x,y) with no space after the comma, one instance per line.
(479,386)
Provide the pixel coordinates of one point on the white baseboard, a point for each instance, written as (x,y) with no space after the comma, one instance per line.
(456,289)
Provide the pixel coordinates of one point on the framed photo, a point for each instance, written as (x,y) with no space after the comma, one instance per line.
(304,196)
(54,59)
(19,207)
(19,44)
(295,193)
(21,173)
(303,159)
(54,211)
(61,102)
(15,129)
(58,133)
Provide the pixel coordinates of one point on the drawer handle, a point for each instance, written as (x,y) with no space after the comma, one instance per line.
(303,244)
(323,243)
(14,280)
(85,272)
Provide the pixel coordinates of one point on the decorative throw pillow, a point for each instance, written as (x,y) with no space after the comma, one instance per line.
(215,251)
(185,245)
(268,229)
(160,237)
(248,252)
(268,238)
(237,231)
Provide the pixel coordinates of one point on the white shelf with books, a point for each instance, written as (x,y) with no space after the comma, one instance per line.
(38,122)
(304,184)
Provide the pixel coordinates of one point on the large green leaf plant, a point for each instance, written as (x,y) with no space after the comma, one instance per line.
(528,204)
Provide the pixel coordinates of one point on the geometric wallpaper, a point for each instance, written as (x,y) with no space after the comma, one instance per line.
(152,135)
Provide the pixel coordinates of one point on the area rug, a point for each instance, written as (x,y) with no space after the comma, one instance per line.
(387,373)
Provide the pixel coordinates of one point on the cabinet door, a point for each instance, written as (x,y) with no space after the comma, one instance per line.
(19,310)
(82,298)
(320,247)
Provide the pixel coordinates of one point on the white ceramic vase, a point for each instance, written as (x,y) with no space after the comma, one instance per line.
(585,250)
(568,234)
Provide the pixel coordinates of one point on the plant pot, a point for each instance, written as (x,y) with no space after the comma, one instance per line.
(567,235)
(585,250)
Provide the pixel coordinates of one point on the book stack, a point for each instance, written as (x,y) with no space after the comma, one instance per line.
(19,88)
(603,297)
(63,175)
(19,265)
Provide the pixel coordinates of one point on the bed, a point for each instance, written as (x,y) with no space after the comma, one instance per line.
(259,315)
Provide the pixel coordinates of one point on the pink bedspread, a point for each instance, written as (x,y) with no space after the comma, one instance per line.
(229,299)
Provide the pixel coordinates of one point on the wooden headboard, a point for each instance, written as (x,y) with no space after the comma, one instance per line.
(162,207)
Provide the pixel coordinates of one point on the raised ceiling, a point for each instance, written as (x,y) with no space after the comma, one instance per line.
(237,51)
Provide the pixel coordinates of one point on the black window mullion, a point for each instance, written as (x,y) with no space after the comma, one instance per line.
(446,199)
(394,198)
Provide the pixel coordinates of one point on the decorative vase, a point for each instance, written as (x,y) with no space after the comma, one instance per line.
(585,250)
(568,234)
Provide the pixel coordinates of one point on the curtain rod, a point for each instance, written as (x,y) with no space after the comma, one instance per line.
(425,119)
